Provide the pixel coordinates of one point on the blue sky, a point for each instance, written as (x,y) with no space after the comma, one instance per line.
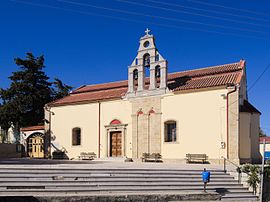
(93,41)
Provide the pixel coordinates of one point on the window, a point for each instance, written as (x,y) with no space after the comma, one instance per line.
(135,74)
(76,136)
(157,71)
(170,131)
(157,57)
(146,60)
(136,61)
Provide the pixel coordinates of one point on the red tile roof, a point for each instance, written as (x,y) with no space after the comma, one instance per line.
(32,128)
(267,139)
(214,76)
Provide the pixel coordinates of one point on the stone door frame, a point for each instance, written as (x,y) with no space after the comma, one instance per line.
(116,128)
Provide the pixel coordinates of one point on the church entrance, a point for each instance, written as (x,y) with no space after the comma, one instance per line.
(116,144)
(35,145)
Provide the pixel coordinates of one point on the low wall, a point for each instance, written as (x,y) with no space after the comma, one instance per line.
(266,190)
(117,198)
(10,150)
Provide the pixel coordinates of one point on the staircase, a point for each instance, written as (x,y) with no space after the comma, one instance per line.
(55,180)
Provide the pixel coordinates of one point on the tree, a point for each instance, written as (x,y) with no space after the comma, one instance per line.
(262,133)
(30,89)
(60,90)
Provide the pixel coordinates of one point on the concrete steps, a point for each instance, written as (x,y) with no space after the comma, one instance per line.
(56,180)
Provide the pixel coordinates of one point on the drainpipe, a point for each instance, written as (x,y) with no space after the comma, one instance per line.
(99,129)
(235,88)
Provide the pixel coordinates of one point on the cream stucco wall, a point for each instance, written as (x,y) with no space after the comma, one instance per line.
(201,123)
(121,110)
(255,144)
(65,118)
(249,137)
(85,116)
(245,135)
(267,148)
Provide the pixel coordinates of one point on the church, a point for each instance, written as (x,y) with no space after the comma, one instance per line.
(199,111)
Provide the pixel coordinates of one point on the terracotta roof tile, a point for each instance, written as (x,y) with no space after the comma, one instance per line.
(193,79)
(32,128)
(267,139)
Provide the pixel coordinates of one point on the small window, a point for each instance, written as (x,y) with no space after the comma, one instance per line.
(136,61)
(76,136)
(157,57)
(170,131)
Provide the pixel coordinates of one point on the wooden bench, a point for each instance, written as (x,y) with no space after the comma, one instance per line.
(154,157)
(87,156)
(196,157)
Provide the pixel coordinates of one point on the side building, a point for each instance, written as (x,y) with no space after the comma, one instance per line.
(200,111)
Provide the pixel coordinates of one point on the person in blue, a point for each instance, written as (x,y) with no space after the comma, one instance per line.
(205,178)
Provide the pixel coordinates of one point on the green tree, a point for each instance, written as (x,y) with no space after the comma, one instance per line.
(60,89)
(30,89)
(262,133)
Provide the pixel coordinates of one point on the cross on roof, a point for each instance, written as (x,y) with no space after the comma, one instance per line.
(147,31)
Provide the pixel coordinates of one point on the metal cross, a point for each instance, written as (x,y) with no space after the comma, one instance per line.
(147,31)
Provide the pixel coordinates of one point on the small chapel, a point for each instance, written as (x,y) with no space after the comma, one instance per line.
(199,111)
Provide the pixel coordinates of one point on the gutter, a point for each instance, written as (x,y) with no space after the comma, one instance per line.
(227,104)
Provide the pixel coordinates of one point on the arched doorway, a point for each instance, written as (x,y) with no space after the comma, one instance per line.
(35,145)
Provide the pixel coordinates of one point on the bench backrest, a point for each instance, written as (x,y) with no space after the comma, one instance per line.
(196,155)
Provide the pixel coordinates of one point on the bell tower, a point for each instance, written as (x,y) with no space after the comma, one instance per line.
(148,59)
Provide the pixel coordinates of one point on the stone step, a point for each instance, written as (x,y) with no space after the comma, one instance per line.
(39,180)
(115,190)
(108,172)
(107,184)
(240,197)
(111,179)
(41,168)
(15,175)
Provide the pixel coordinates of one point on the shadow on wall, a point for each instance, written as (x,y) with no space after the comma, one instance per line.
(266,189)
(178,82)
(18,199)
(11,150)
(60,155)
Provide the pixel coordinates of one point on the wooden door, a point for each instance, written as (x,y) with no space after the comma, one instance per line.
(36,145)
(116,144)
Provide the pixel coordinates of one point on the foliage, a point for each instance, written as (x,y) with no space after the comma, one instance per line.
(262,133)
(60,89)
(30,89)
(267,169)
(253,172)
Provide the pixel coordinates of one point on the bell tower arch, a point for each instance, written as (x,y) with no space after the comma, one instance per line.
(148,58)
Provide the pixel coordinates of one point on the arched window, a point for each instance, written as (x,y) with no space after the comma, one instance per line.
(135,74)
(146,60)
(76,136)
(157,71)
(170,131)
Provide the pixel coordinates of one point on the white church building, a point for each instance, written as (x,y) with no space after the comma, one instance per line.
(199,111)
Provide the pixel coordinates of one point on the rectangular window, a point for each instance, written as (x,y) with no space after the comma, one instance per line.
(76,136)
(170,131)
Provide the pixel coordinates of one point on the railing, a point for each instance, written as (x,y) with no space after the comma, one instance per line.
(238,169)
